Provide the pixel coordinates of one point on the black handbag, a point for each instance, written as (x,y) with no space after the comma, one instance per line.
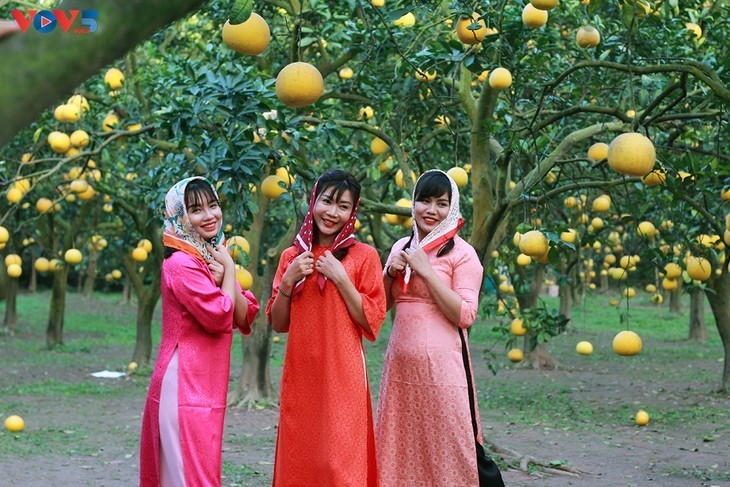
(489,475)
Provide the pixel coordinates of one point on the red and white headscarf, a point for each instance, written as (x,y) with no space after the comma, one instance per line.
(444,231)
(305,238)
(179,233)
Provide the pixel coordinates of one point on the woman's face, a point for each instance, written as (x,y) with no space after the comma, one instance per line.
(429,212)
(205,216)
(330,215)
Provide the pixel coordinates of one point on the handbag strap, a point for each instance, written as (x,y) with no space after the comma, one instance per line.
(469,385)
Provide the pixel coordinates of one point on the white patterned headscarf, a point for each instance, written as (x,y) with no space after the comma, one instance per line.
(179,233)
(444,231)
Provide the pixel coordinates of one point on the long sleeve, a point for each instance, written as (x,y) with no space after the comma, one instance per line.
(253,308)
(286,257)
(370,287)
(467,281)
(193,285)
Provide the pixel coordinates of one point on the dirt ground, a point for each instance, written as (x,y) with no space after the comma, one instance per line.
(93,440)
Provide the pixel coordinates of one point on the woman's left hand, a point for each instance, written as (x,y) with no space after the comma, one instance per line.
(418,260)
(331,268)
(218,271)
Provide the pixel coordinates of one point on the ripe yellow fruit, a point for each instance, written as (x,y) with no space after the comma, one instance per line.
(598,151)
(500,78)
(283,173)
(400,182)
(483,76)
(459,175)
(271,187)
(534,243)
(657,298)
(518,327)
(43,205)
(378,146)
(425,76)
(694,30)
(244,278)
(629,292)
(584,348)
(110,122)
(251,37)
(145,244)
(515,355)
(544,4)
(376,4)
(523,260)
(79,138)
(73,256)
(366,113)
(569,236)
(114,78)
(14,270)
(597,223)
(632,154)
(699,268)
(570,202)
(69,113)
(669,284)
(80,101)
(533,17)
(139,254)
(601,204)
(11,259)
(650,288)
(132,367)
(59,142)
(724,194)
(299,84)
(646,230)
(88,194)
(672,270)
(41,264)
(627,343)
(346,73)
(116,274)
(471,37)
(588,36)
(79,186)
(655,177)
(407,20)
(4,235)
(237,244)
(14,424)
(642,418)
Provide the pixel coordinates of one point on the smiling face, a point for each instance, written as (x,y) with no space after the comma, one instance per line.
(331,212)
(204,213)
(429,212)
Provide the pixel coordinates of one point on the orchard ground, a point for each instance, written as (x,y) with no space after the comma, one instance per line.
(84,431)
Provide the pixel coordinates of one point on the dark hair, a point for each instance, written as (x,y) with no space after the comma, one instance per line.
(340,181)
(432,185)
(196,191)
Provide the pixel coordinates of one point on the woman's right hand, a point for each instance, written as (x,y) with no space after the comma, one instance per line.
(299,268)
(220,254)
(397,264)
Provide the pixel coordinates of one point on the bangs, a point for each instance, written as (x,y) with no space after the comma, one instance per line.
(198,192)
(336,182)
(336,190)
(432,185)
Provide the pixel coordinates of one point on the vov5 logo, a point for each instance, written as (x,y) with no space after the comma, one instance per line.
(45,21)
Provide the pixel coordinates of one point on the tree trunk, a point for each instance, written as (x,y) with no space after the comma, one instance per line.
(54,331)
(603,283)
(566,304)
(697,323)
(91,271)
(538,354)
(3,282)
(147,301)
(33,283)
(11,309)
(24,89)
(720,305)
(675,300)
(126,291)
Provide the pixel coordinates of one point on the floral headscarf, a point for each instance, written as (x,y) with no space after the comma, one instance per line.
(305,237)
(444,231)
(179,232)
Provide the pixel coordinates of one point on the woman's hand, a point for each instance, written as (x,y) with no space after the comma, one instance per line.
(299,268)
(220,255)
(418,260)
(331,268)
(397,264)
(218,271)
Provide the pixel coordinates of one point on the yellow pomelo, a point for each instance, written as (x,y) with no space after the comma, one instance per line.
(627,343)
(145,244)
(544,4)
(271,187)
(672,270)
(237,244)
(43,205)
(79,138)
(588,36)
(694,30)
(407,20)
(518,327)
(114,78)
(598,151)
(244,278)
(570,236)
(584,348)
(646,229)
(14,271)
(467,36)
(699,268)
(632,154)
(299,84)
(346,73)
(669,284)
(116,274)
(110,122)
(251,37)
(283,173)
(515,355)
(500,78)
(459,175)
(88,194)
(378,146)
(11,259)
(59,142)
(79,186)
(533,17)
(14,424)
(139,254)
(655,177)
(4,235)
(523,260)
(41,264)
(73,256)
(601,204)
(650,288)
(399,181)
(534,243)
(80,101)
(642,418)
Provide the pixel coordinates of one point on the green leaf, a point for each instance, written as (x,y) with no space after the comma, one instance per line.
(594,6)
(241,11)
